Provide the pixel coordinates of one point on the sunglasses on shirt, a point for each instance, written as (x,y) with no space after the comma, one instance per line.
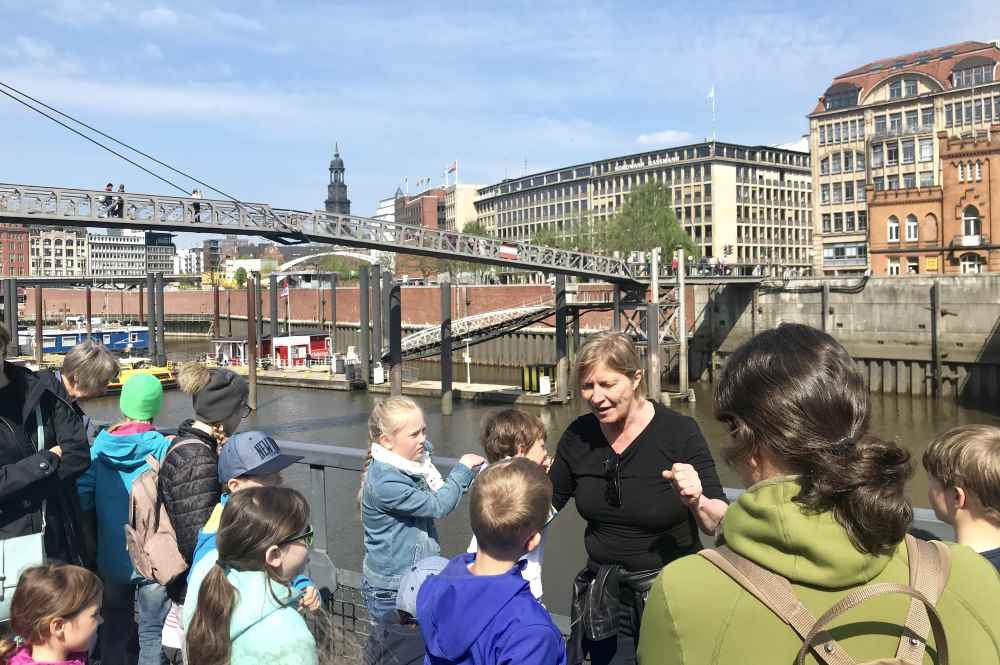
(613,478)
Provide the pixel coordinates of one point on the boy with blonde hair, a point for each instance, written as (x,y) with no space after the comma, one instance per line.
(963,466)
(479,610)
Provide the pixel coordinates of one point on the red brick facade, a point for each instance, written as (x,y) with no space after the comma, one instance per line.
(947,229)
(14,250)
(425,209)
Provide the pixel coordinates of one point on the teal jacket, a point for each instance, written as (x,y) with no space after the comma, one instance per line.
(116,461)
(266,626)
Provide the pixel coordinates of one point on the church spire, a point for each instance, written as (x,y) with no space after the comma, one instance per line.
(336,199)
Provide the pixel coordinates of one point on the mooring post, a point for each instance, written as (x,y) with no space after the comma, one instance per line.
(562,362)
(377,309)
(320,310)
(142,298)
(272,301)
(936,339)
(39,319)
(616,312)
(216,330)
(150,315)
(258,308)
(333,311)
(825,304)
(653,328)
(446,364)
(396,338)
(9,292)
(364,321)
(87,307)
(161,322)
(229,312)
(252,340)
(387,282)
(682,329)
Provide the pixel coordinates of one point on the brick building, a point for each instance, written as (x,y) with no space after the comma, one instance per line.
(14,250)
(425,209)
(877,127)
(948,228)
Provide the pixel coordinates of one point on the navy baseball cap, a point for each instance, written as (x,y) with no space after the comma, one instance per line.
(252,454)
(414,578)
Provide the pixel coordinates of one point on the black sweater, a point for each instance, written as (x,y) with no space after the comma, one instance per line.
(653,526)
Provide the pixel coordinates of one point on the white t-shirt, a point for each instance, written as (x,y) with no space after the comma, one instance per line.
(532,571)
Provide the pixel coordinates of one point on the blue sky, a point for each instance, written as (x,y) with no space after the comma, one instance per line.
(251,96)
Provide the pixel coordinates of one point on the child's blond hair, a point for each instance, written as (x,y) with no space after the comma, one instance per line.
(386,418)
(969,457)
(508,505)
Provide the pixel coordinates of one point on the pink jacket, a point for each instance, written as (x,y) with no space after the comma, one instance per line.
(23,657)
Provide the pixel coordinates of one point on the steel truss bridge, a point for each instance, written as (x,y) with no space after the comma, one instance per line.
(55,206)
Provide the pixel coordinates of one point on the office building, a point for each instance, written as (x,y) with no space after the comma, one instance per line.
(188,261)
(14,250)
(738,203)
(877,127)
(160,252)
(117,253)
(58,251)
(425,209)
(460,206)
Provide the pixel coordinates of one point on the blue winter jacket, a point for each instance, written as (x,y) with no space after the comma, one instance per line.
(116,461)
(398,513)
(485,620)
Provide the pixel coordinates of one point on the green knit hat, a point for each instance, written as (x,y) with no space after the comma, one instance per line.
(141,398)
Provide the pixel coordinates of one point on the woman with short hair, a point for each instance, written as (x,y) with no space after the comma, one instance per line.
(645,482)
(827,511)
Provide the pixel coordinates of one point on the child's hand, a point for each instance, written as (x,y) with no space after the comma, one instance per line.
(310,600)
(472,461)
(547,463)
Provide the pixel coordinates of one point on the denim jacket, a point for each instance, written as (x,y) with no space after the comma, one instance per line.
(398,513)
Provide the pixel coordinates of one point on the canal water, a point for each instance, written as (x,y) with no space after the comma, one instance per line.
(340,418)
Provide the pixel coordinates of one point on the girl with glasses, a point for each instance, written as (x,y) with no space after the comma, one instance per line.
(245,607)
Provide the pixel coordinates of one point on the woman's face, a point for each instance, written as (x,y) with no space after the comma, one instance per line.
(407,440)
(610,394)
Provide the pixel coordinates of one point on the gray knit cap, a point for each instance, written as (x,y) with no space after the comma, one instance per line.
(222,396)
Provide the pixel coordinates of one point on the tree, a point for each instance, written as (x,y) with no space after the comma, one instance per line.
(647,221)
(241,277)
(455,268)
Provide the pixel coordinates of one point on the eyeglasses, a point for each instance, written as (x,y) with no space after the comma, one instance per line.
(246,411)
(307,537)
(613,476)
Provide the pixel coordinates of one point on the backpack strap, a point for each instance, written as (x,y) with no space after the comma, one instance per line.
(776,593)
(930,566)
(859,596)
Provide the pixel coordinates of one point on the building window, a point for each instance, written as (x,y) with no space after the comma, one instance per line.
(891,153)
(927,178)
(879,183)
(862,220)
(895,122)
(824,194)
(893,229)
(822,134)
(896,89)
(961,171)
(910,86)
(893,265)
(826,223)
(911,119)
(907,151)
(849,160)
(948,120)
(971,223)
(968,113)
(926,150)
(824,166)
(837,193)
(876,155)
(912,230)
(879,125)
(909,180)
(912,265)
(892,182)
(859,161)
(973,75)
(972,264)
(836,133)
(977,108)
(849,221)
(979,171)
(835,163)
(927,117)
(848,192)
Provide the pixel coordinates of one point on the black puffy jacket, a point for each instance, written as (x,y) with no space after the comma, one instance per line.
(189,488)
(29,477)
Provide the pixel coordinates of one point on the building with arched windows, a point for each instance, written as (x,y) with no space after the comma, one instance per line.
(876,128)
(946,228)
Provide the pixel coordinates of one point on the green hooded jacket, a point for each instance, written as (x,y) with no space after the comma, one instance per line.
(696,615)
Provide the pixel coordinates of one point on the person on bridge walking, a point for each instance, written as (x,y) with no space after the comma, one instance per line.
(822,526)
(401,495)
(108,201)
(120,202)
(196,207)
(610,462)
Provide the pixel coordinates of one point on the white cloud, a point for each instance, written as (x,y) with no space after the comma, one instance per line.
(152,52)
(34,49)
(665,137)
(31,52)
(237,21)
(158,17)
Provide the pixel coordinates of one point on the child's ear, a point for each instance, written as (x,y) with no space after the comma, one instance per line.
(533,542)
(57,628)
(960,497)
(385,441)
(273,556)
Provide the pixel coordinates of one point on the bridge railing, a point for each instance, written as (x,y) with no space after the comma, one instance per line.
(330,477)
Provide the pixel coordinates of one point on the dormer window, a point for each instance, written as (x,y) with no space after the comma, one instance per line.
(973,71)
(840,96)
